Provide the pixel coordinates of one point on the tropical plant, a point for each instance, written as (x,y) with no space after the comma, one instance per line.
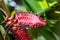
(29,20)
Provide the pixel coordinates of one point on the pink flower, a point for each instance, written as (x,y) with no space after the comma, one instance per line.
(30,20)
(21,33)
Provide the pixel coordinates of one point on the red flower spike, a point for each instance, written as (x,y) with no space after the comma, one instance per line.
(30,20)
(21,33)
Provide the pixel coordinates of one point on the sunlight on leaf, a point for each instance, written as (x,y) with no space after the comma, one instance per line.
(43,4)
(40,38)
(58,12)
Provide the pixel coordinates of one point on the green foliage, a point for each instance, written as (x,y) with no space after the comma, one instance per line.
(1,17)
(3,33)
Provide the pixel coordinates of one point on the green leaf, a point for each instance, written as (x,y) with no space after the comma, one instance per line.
(34,5)
(51,2)
(1,17)
(1,38)
(52,14)
(28,8)
(48,34)
(56,28)
(39,38)
(43,4)
(45,32)
(3,32)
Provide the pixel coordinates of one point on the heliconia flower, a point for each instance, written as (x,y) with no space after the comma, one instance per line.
(21,33)
(30,20)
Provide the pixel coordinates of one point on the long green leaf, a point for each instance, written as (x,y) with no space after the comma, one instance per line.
(45,32)
(56,29)
(1,17)
(3,32)
(34,5)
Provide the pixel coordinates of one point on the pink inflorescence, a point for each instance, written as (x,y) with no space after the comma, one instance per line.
(25,19)
(21,33)
(30,20)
